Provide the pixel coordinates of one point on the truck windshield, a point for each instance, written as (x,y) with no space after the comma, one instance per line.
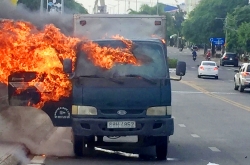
(150,53)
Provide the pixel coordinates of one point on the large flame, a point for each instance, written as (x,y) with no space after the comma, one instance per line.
(25,48)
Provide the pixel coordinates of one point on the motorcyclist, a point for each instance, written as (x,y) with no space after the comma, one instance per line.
(208,54)
(194,54)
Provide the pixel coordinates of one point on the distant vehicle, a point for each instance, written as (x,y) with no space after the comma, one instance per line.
(242,77)
(208,69)
(229,58)
(194,48)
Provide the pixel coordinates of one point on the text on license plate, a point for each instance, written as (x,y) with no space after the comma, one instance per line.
(121,124)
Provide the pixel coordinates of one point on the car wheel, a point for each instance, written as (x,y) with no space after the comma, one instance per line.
(78,144)
(199,76)
(236,87)
(222,64)
(216,77)
(161,147)
(241,87)
(236,65)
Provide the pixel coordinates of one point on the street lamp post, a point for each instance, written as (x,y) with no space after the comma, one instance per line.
(224,26)
(157,7)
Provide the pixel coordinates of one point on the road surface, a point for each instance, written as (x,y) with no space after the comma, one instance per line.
(212,123)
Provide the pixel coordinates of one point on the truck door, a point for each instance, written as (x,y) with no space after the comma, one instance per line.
(22,93)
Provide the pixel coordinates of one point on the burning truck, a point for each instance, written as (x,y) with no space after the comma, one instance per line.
(100,86)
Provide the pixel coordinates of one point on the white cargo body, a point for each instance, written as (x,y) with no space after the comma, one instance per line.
(101,26)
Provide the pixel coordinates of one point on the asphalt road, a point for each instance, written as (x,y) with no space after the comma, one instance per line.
(212,123)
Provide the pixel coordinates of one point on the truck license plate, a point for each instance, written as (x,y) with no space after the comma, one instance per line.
(121,124)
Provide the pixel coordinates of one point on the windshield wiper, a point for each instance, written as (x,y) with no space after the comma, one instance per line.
(108,78)
(142,77)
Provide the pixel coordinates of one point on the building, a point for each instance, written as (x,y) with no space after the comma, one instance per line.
(190,5)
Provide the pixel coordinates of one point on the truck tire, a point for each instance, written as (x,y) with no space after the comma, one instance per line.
(161,147)
(78,144)
(90,141)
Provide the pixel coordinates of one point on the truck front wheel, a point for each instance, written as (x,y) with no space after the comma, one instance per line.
(78,143)
(161,147)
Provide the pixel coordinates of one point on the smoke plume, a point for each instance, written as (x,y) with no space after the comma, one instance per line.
(20,12)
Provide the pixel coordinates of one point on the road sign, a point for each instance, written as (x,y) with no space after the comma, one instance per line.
(217,41)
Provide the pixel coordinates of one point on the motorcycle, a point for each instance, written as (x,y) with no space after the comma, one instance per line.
(208,58)
(194,58)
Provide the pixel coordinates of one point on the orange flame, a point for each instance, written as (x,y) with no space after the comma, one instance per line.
(156,36)
(25,48)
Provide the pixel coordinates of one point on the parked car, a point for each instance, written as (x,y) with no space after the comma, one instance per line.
(208,69)
(242,77)
(229,58)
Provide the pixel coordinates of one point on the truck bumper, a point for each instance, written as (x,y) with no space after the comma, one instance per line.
(144,127)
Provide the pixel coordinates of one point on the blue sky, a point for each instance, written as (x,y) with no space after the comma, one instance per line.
(113,4)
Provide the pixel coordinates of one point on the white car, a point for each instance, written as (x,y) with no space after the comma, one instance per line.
(242,77)
(209,69)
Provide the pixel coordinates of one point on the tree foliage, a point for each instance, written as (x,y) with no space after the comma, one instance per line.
(239,16)
(70,5)
(244,36)
(173,20)
(202,23)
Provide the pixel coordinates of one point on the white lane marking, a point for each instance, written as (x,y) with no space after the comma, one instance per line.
(193,92)
(195,136)
(117,152)
(214,149)
(182,125)
(212,164)
(193,67)
(37,160)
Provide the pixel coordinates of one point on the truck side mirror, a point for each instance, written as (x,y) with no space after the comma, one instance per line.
(67,65)
(181,68)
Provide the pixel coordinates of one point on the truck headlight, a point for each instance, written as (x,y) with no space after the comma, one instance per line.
(159,111)
(83,110)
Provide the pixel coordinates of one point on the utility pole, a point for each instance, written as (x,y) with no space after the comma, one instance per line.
(118,8)
(62,7)
(41,7)
(47,6)
(125,6)
(157,7)
(136,4)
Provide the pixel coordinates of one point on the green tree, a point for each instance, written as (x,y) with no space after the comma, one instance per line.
(146,9)
(202,23)
(234,21)
(173,21)
(71,5)
(244,36)
(232,36)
